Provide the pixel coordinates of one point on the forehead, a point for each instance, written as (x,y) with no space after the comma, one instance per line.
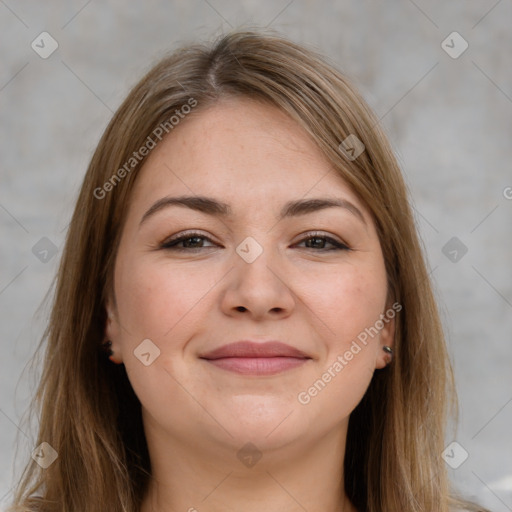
(243,151)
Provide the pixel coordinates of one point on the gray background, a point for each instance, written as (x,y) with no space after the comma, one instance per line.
(449,120)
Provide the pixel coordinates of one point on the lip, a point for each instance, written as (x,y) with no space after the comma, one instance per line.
(256,358)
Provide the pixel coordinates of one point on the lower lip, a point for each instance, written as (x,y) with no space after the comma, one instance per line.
(257,365)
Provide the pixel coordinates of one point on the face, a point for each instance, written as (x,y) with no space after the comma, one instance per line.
(191,279)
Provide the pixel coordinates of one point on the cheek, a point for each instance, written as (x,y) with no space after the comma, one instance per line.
(350,303)
(153,299)
(163,305)
(347,301)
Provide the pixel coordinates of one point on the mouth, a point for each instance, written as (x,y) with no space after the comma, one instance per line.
(255,358)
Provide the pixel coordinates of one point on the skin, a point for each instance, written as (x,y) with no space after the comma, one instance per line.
(197,416)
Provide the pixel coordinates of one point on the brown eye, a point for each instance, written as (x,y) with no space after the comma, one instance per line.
(319,241)
(186,242)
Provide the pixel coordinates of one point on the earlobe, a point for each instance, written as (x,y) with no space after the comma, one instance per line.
(384,357)
(387,335)
(110,344)
(106,347)
(388,353)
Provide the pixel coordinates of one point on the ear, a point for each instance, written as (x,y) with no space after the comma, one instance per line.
(113,330)
(386,338)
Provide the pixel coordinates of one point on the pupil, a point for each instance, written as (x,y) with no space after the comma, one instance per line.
(194,238)
(319,240)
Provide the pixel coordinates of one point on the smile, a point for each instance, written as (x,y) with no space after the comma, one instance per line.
(257,365)
(256,358)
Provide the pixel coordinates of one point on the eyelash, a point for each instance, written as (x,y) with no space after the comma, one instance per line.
(171,245)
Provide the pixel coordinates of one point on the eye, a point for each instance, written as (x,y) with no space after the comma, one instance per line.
(186,242)
(195,241)
(318,241)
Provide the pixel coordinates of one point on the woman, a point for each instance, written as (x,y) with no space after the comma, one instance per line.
(243,318)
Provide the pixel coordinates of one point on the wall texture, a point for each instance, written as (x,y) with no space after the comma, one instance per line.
(444,98)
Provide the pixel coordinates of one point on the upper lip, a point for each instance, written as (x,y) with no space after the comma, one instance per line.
(247,348)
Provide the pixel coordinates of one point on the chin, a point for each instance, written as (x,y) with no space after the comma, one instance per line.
(267,423)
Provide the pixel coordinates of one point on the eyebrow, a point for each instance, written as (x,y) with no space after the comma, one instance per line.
(211,206)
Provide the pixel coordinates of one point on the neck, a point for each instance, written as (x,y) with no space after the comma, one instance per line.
(196,477)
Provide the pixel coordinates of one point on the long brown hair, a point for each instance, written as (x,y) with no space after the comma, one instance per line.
(87,409)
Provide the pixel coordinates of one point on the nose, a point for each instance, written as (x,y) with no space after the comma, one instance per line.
(258,289)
